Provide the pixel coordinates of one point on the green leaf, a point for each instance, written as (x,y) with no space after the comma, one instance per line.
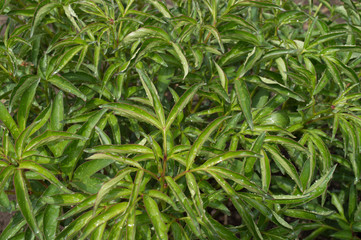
(152,94)
(309,32)
(43,172)
(244,100)
(50,136)
(22,197)
(265,171)
(285,163)
(334,72)
(8,121)
(240,206)
(128,110)
(41,119)
(107,186)
(325,38)
(182,58)
(222,76)
(316,189)
(216,35)
(227,156)
(25,105)
(276,87)
(161,8)
(202,138)
(237,178)
(75,148)
(180,105)
(40,14)
(286,142)
(64,199)
(66,86)
(251,60)
(67,57)
(120,149)
(184,201)
(109,73)
(309,215)
(5,174)
(57,113)
(110,213)
(50,223)
(75,226)
(146,32)
(324,151)
(155,216)
(249,162)
(162,196)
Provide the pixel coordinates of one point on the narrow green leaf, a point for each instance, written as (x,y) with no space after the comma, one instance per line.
(265,171)
(309,215)
(182,58)
(180,105)
(275,87)
(50,223)
(75,226)
(249,162)
(76,147)
(152,94)
(222,76)
(107,186)
(119,159)
(43,172)
(51,136)
(40,14)
(8,121)
(237,178)
(216,35)
(332,68)
(5,174)
(309,32)
(155,216)
(25,105)
(41,119)
(286,142)
(316,189)
(285,163)
(162,196)
(183,200)
(240,206)
(110,213)
(202,138)
(121,149)
(146,32)
(324,151)
(132,111)
(67,57)
(64,199)
(227,156)
(325,38)
(66,86)
(57,113)
(22,197)
(161,8)
(250,62)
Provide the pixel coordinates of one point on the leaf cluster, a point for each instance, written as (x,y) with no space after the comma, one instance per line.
(197,119)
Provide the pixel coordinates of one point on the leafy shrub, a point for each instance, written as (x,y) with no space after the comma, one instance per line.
(180,120)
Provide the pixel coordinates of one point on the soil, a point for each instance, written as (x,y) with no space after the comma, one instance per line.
(4,220)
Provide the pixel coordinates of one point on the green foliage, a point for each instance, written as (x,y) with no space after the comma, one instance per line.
(197,119)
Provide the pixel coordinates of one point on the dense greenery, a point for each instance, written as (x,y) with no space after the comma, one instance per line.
(191,119)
